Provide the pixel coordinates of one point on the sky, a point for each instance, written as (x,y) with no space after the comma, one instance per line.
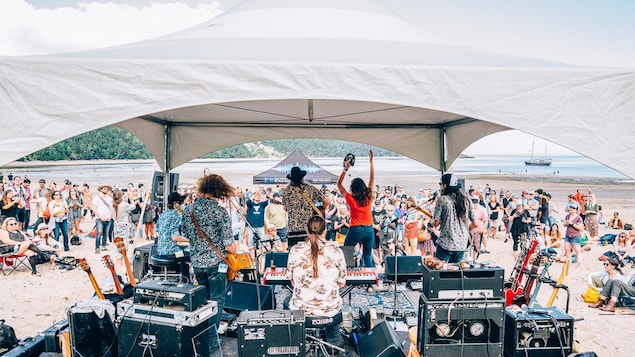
(581,32)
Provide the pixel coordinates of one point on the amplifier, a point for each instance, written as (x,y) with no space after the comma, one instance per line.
(534,333)
(140,264)
(166,294)
(92,329)
(470,283)
(167,315)
(271,333)
(150,337)
(460,327)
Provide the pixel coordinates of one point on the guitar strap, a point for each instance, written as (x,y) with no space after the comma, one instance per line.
(308,199)
(204,236)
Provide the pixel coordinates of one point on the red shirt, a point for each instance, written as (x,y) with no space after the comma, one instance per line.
(360,215)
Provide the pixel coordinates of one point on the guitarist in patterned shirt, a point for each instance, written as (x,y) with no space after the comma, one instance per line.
(209,214)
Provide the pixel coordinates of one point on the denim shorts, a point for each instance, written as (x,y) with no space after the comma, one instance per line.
(573,240)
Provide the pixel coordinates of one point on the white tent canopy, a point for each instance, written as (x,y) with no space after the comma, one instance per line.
(305,69)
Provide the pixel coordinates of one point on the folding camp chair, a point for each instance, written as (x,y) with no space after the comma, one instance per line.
(10,262)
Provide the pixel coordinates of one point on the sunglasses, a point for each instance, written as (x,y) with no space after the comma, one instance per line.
(12,224)
(606,264)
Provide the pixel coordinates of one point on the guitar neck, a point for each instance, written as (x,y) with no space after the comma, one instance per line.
(122,249)
(563,274)
(95,286)
(115,278)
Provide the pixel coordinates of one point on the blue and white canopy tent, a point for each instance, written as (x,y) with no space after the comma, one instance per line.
(278,174)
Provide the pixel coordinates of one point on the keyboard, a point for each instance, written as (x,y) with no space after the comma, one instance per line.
(354,276)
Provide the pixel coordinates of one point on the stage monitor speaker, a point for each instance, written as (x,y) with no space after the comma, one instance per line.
(408,267)
(381,341)
(140,264)
(147,337)
(158,186)
(92,335)
(241,296)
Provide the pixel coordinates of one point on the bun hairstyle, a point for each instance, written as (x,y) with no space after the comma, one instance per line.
(453,189)
(315,226)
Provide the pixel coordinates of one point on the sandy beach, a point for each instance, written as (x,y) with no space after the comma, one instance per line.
(32,303)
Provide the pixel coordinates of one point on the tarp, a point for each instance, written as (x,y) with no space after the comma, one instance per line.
(278,174)
(347,70)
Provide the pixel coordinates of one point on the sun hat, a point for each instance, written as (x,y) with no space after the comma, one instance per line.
(102,186)
(296,174)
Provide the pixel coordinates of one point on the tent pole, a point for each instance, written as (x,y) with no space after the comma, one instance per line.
(167,132)
(443,148)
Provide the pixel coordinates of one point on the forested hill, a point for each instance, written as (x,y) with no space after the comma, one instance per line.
(112,143)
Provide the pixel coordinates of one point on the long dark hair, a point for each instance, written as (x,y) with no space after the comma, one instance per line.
(360,192)
(214,185)
(315,226)
(453,189)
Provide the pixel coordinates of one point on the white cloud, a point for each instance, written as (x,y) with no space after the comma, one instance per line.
(25,30)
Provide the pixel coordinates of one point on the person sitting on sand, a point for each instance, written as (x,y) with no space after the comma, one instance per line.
(612,270)
(621,250)
(613,289)
(45,243)
(616,222)
(553,236)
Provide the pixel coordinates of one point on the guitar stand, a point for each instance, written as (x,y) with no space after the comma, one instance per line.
(555,285)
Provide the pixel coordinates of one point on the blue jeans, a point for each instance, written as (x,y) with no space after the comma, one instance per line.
(61,226)
(102,232)
(216,285)
(450,256)
(366,236)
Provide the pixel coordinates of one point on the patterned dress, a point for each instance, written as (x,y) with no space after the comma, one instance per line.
(316,296)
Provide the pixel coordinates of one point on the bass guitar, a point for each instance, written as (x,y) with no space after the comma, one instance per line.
(108,262)
(84,265)
(518,275)
(121,246)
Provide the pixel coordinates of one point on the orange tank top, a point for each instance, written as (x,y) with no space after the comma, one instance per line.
(360,215)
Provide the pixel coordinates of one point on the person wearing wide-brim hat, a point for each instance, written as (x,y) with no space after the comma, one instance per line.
(301,201)
(103,209)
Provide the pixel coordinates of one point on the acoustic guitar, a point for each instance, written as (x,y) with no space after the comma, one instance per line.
(84,265)
(108,262)
(518,275)
(121,246)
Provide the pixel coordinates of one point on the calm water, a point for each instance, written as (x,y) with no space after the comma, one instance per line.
(121,173)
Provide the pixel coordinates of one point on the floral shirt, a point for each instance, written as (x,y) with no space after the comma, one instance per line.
(167,227)
(454,232)
(316,296)
(297,206)
(214,221)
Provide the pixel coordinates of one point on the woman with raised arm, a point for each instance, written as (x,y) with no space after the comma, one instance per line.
(359,200)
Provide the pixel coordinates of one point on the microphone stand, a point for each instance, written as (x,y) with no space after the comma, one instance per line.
(254,231)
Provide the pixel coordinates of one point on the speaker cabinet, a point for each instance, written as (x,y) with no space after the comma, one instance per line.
(140,264)
(241,296)
(381,341)
(534,333)
(92,335)
(158,182)
(146,337)
(407,267)
(460,327)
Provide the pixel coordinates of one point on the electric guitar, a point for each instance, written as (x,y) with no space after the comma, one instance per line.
(108,262)
(84,265)
(121,246)
(518,275)
(545,270)
(556,287)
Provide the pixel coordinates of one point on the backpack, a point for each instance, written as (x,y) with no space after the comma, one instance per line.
(8,339)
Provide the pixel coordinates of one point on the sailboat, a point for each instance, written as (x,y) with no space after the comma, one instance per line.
(536,161)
